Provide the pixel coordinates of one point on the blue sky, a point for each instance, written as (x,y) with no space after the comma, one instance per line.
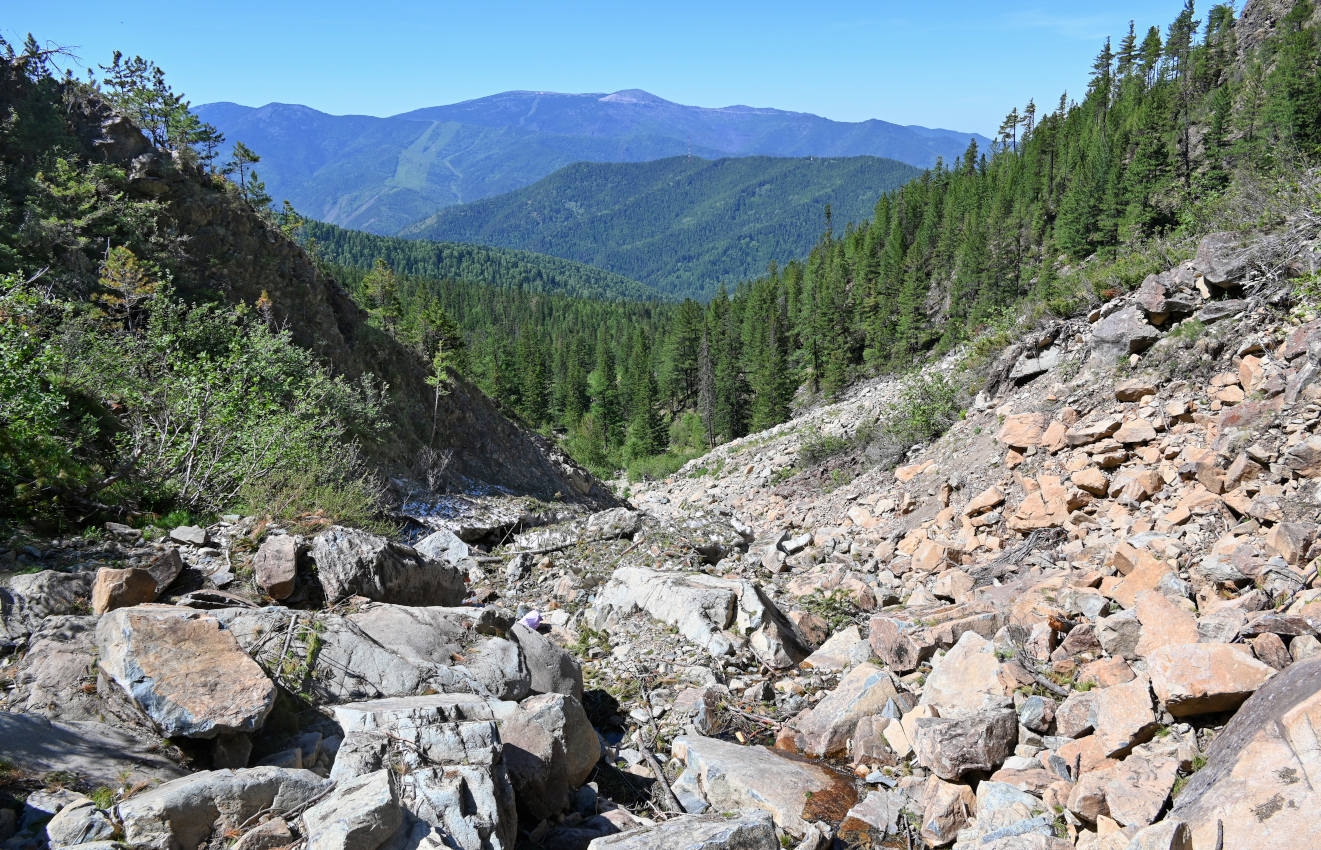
(959,65)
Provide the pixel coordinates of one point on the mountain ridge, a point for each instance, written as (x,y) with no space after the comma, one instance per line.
(383,174)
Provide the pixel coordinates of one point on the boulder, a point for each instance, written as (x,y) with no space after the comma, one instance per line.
(952,747)
(361,814)
(95,753)
(714,613)
(552,669)
(731,777)
(749,830)
(1124,332)
(1166,835)
(966,679)
(198,808)
(905,641)
(1124,716)
(825,729)
(1262,770)
(1222,258)
(873,820)
(276,565)
(383,651)
(443,545)
(1204,678)
(79,823)
(165,568)
(351,562)
(184,670)
(192,535)
(550,748)
(947,808)
(29,598)
(121,588)
(453,786)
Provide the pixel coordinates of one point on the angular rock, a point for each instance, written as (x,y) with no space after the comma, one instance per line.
(195,809)
(361,814)
(553,669)
(904,642)
(749,830)
(1204,678)
(121,589)
(731,777)
(1123,332)
(79,823)
(826,728)
(1166,835)
(953,747)
(276,565)
(947,808)
(704,609)
(443,545)
(453,785)
(844,649)
(29,598)
(355,563)
(550,749)
(966,679)
(191,534)
(184,670)
(1124,716)
(1222,258)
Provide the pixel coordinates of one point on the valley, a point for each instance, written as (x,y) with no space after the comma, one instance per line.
(710,491)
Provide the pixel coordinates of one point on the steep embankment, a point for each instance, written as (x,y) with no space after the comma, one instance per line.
(222,249)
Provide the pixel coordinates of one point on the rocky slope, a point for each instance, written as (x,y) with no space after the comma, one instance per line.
(1087,616)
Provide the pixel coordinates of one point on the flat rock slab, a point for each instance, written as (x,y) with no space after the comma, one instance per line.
(1204,678)
(184,670)
(734,777)
(741,831)
(1262,778)
(95,752)
(195,809)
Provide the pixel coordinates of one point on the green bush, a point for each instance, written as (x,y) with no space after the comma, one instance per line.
(171,405)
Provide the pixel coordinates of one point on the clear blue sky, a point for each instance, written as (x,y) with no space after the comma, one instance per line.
(957,64)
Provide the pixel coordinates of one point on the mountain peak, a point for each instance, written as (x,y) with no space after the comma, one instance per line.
(634,96)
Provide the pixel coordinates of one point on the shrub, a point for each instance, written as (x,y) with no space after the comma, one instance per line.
(199,407)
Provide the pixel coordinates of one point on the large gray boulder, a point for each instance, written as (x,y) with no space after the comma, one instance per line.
(96,753)
(1123,332)
(951,747)
(553,669)
(550,749)
(719,615)
(751,830)
(446,751)
(196,809)
(732,777)
(361,814)
(351,562)
(1223,258)
(383,651)
(184,671)
(29,598)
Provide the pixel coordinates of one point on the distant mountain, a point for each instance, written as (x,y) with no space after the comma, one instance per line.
(382,174)
(682,225)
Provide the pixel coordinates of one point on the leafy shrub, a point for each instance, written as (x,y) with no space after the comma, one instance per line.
(174,406)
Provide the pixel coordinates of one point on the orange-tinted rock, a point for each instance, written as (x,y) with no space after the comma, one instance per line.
(1163,622)
(1206,677)
(121,589)
(1136,431)
(1022,430)
(948,807)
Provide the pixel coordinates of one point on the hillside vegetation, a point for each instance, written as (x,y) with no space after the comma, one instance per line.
(681,225)
(164,344)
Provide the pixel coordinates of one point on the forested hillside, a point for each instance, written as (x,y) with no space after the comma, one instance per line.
(381,174)
(681,225)
(1209,123)
(503,268)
